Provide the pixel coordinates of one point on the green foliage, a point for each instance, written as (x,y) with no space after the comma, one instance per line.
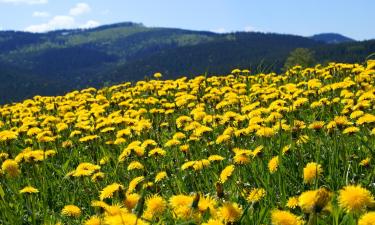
(300,56)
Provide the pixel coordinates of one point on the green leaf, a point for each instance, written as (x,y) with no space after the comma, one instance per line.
(2,194)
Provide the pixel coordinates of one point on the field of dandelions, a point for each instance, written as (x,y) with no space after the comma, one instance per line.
(282,149)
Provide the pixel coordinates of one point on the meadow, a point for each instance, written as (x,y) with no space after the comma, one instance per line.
(283,149)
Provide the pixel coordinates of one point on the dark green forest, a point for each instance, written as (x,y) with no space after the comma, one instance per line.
(56,62)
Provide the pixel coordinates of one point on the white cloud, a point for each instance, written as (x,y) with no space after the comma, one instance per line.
(40,14)
(29,2)
(79,9)
(219,30)
(90,24)
(57,22)
(249,29)
(61,22)
(252,29)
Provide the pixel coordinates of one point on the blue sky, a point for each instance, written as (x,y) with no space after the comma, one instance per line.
(302,17)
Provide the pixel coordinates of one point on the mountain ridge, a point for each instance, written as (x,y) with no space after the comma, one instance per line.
(332,38)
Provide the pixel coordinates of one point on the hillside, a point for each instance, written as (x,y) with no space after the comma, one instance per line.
(331,38)
(56,62)
(260,53)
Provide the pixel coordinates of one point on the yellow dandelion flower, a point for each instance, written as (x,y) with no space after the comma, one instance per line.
(256,194)
(29,190)
(307,201)
(265,132)
(157,75)
(160,176)
(71,211)
(286,149)
(257,151)
(7,135)
(200,164)
(88,138)
(302,139)
(241,158)
(184,148)
(179,135)
(213,222)
(155,206)
(315,200)
(178,201)
(97,176)
(115,209)
(292,202)
(99,204)
(109,190)
(317,125)
(351,130)
(222,139)
(367,118)
(172,143)
(67,144)
(135,165)
(124,218)
(3,156)
(311,171)
(341,121)
(131,200)
(157,152)
(104,160)
(226,173)
(94,220)
(298,125)
(61,126)
(356,114)
(273,164)
(365,162)
(354,198)
(133,183)
(236,71)
(187,165)
(367,219)
(207,203)
(10,167)
(212,158)
(230,212)
(279,217)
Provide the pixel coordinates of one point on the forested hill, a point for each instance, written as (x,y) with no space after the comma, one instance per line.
(55,62)
(331,38)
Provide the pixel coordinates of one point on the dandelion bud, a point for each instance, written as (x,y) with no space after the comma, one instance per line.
(219,190)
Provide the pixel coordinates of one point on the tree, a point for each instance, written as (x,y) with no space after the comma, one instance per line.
(300,56)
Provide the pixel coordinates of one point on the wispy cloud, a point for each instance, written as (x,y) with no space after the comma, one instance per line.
(61,22)
(90,24)
(29,2)
(249,29)
(57,22)
(79,9)
(220,30)
(40,14)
